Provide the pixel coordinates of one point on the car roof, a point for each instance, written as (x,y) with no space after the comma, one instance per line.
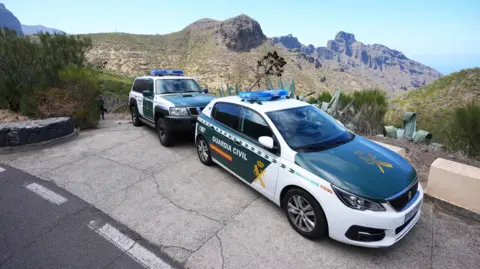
(163,77)
(266,106)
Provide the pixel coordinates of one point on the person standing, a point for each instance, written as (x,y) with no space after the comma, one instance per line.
(103,110)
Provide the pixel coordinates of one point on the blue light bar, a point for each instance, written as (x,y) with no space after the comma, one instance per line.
(167,72)
(263,95)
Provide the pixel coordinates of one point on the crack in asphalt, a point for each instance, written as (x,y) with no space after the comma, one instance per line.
(221,250)
(185,209)
(43,234)
(219,230)
(122,254)
(170,246)
(119,163)
(125,190)
(42,174)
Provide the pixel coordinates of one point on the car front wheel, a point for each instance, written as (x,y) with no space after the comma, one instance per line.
(203,151)
(304,213)
(164,134)
(135,120)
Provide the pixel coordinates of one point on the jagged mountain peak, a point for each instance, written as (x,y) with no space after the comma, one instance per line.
(389,67)
(345,37)
(241,33)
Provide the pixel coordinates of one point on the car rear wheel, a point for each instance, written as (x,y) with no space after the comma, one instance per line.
(304,213)
(135,120)
(164,134)
(203,151)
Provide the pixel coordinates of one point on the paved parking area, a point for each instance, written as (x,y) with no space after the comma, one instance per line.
(204,218)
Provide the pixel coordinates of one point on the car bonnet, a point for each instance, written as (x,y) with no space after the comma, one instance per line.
(189,99)
(361,167)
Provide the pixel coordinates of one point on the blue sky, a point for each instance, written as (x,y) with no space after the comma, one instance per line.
(440,33)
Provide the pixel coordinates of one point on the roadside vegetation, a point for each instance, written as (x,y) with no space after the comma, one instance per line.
(49,76)
(447,108)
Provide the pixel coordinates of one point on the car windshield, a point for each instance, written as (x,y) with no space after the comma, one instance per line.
(308,128)
(177,86)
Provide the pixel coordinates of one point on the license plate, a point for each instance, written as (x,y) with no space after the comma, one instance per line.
(412,212)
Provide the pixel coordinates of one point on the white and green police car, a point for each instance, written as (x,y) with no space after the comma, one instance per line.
(328,180)
(167,101)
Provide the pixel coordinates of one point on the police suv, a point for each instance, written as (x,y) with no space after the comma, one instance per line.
(328,180)
(167,101)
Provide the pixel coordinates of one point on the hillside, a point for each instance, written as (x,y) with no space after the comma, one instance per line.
(388,67)
(216,52)
(8,20)
(435,102)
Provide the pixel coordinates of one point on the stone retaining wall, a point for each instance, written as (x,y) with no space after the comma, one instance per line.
(455,183)
(34,131)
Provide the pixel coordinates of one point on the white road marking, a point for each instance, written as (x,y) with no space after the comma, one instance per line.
(46,194)
(143,256)
(1,169)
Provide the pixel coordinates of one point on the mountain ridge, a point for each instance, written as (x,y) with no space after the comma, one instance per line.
(388,67)
(35,29)
(221,52)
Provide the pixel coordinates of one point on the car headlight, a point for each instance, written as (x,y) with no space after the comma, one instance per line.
(356,202)
(178,111)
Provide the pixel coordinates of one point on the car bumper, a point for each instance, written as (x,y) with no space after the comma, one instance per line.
(181,123)
(365,226)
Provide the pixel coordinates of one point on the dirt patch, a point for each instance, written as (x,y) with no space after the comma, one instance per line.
(10,116)
(118,116)
(421,156)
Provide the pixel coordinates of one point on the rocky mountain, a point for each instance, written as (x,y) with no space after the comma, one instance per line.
(8,20)
(221,52)
(388,67)
(34,29)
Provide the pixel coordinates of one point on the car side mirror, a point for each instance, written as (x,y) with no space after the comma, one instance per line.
(266,141)
(147,93)
(205,90)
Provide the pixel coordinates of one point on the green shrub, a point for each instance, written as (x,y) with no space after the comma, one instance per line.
(372,104)
(311,100)
(345,99)
(324,97)
(47,76)
(87,118)
(464,129)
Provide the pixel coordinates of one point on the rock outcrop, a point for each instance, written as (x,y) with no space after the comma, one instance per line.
(288,41)
(388,67)
(8,20)
(241,33)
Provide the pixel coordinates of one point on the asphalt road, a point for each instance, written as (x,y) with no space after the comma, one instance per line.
(59,230)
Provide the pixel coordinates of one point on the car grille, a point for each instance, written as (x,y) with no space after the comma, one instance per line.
(195,110)
(399,202)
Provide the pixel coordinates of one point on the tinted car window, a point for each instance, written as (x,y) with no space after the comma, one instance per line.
(228,114)
(253,125)
(177,86)
(308,128)
(137,85)
(149,84)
